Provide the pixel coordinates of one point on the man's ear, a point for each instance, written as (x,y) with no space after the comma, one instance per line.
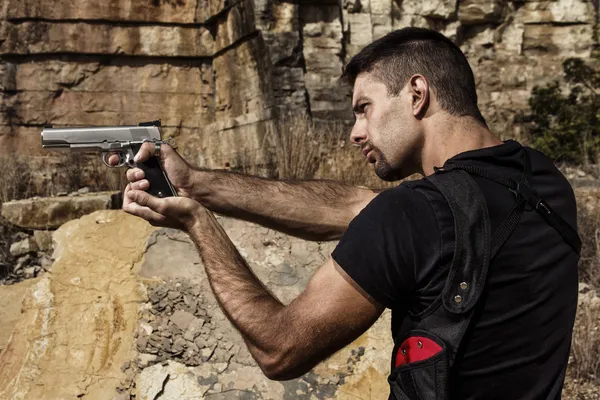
(419,90)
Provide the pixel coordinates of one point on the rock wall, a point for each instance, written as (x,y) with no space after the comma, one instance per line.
(218,73)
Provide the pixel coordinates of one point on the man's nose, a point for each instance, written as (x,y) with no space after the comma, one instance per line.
(358,134)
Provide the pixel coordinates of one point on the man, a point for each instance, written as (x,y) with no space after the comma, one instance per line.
(416,109)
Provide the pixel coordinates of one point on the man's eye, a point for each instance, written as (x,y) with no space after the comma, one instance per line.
(363,107)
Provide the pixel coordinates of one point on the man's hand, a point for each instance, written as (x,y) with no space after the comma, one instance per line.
(171,212)
(177,169)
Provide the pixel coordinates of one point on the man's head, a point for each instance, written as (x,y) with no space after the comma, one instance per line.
(399,80)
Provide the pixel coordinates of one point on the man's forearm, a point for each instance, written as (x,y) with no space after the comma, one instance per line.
(254,311)
(312,209)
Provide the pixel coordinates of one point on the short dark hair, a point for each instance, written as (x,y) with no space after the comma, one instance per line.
(397,56)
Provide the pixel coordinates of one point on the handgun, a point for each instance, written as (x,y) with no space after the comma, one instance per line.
(125,141)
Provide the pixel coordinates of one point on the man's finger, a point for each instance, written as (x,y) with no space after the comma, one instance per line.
(145,152)
(126,199)
(113,159)
(135,174)
(145,200)
(140,185)
(146,213)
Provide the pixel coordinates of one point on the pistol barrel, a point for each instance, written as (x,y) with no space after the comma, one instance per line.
(96,138)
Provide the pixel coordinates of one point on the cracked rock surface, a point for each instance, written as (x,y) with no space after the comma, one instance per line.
(185,341)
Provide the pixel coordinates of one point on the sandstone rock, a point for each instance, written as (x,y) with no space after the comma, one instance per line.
(381,15)
(182,11)
(561,11)
(208,9)
(43,239)
(192,77)
(47,356)
(29,272)
(50,213)
(568,41)
(235,97)
(241,142)
(65,37)
(11,297)
(25,246)
(436,9)
(439,9)
(174,380)
(480,11)
(88,108)
(238,24)
(8,73)
(151,382)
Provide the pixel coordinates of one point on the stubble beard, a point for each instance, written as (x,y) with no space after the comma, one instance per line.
(384,170)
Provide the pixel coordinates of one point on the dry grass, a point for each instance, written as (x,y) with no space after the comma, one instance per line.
(304,149)
(17,179)
(584,366)
(585,348)
(589,231)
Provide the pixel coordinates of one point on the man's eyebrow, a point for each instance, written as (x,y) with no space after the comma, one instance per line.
(361,99)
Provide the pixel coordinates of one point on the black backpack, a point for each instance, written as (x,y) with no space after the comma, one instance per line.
(427,343)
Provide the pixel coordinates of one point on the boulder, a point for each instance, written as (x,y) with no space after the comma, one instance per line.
(28,245)
(52,212)
(77,325)
(43,239)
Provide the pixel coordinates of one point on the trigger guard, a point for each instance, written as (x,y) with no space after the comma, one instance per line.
(122,160)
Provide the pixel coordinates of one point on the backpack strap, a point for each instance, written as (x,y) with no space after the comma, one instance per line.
(469,267)
(526,197)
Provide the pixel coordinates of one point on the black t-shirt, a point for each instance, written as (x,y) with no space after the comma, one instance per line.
(399,249)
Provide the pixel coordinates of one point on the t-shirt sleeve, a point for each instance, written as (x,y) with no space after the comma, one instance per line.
(389,243)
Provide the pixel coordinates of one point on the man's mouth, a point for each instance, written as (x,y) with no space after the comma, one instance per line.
(367,152)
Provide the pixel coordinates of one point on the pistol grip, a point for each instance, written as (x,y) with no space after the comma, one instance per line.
(160,186)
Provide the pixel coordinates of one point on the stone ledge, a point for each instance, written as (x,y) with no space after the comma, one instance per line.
(42,37)
(164,12)
(52,212)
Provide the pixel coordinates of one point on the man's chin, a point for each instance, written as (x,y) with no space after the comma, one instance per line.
(386,173)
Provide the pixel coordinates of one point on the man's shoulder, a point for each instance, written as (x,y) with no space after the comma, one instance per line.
(409,197)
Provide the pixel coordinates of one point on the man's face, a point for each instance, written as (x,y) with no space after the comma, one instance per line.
(385,128)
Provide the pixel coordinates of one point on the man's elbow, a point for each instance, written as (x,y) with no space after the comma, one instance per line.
(282,366)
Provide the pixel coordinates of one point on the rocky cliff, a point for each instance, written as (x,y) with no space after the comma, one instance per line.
(218,73)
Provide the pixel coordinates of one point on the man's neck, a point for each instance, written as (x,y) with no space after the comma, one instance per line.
(447,136)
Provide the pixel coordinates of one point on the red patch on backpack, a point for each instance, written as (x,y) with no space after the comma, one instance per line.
(416,348)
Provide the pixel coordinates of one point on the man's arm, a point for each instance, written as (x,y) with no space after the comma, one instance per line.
(309,209)
(285,340)
(312,210)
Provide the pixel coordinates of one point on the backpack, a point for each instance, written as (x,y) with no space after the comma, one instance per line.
(427,343)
